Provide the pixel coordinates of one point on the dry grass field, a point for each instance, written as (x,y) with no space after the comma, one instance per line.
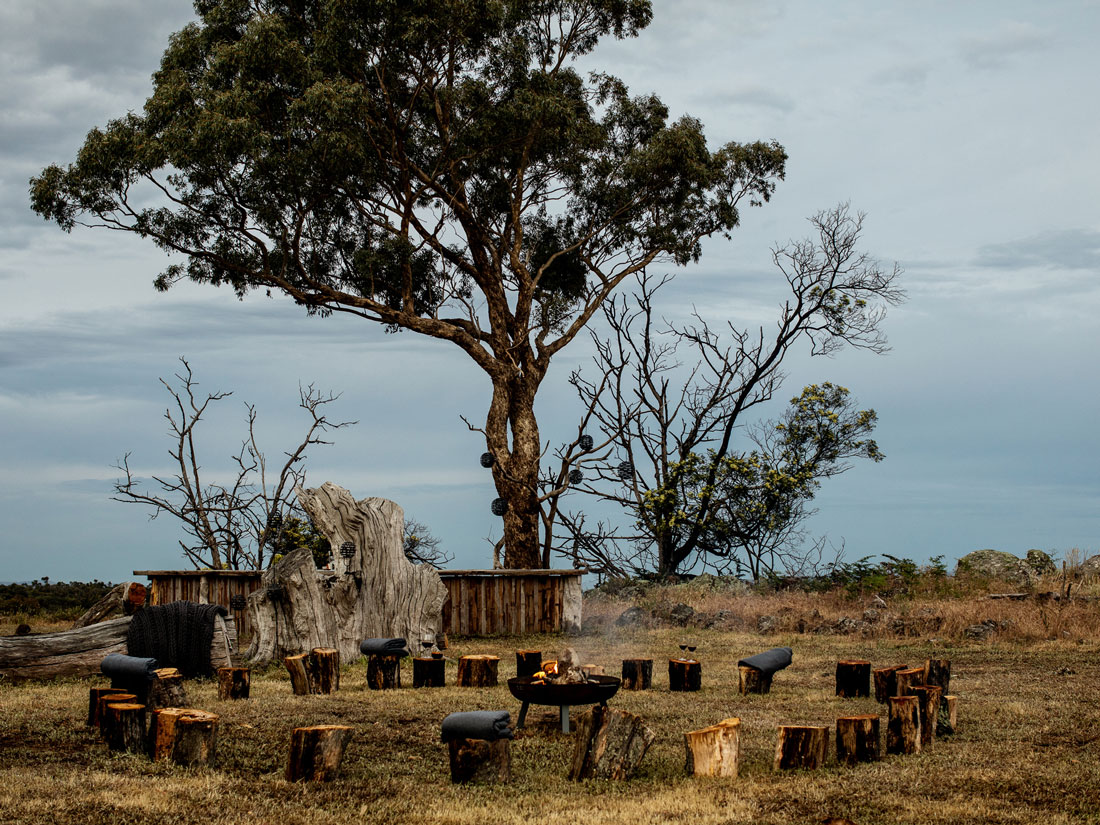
(1027,749)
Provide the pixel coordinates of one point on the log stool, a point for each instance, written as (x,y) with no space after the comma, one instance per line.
(166,690)
(123,726)
(907,678)
(903,725)
(637,674)
(801,746)
(886,682)
(751,680)
(609,744)
(384,657)
(948,719)
(234,682)
(755,673)
(131,673)
(684,674)
(94,695)
(106,699)
(938,672)
(857,739)
(929,697)
(478,670)
(853,678)
(185,736)
(315,672)
(528,662)
(478,746)
(714,751)
(429,672)
(316,752)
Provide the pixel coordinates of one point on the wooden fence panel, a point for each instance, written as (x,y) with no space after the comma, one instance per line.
(491,602)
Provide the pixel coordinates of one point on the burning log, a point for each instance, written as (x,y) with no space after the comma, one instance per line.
(684,675)
(853,678)
(610,744)
(801,746)
(637,674)
(429,672)
(316,752)
(886,682)
(903,725)
(528,662)
(857,739)
(234,682)
(714,751)
(477,671)
(929,696)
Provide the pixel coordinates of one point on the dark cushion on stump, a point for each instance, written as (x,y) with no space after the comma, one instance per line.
(128,669)
(770,660)
(384,647)
(478,724)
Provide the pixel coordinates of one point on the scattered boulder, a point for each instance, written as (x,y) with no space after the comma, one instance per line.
(878,603)
(767,624)
(680,614)
(985,628)
(1090,567)
(872,615)
(1041,563)
(995,564)
(925,621)
(633,617)
(721,619)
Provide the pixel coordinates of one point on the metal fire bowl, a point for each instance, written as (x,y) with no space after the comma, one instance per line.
(596,689)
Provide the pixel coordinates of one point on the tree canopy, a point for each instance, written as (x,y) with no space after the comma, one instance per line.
(438,166)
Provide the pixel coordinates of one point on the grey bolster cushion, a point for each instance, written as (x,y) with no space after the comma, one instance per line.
(770,660)
(128,668)
(386,647)
(478,724)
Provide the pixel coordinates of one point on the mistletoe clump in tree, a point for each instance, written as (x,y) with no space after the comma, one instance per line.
(438,166)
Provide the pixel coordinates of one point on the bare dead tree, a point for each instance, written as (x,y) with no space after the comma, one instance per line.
(231,523)
(672,398)
(422,546)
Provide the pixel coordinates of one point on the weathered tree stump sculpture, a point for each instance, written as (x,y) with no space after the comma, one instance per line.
(853,678)
(903,725)
(715,750)
(610,744)
(801,746)
(886,682)
(857,739)
(477,671)
(316,752)
(234,682)
(528,662)
(684,675)
(637,674)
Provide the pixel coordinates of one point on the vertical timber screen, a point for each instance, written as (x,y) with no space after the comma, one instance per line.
(491,602)
(205,587)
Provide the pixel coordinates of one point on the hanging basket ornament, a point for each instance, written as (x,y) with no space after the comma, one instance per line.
(237,602)
(499,506)
(626,471)
(487,460)
(347,550)
(586,442)
(274,592)
(576,476)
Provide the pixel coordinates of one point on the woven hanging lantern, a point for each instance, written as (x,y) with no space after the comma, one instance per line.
(576,476)
(626,470)
(499,507)
(487,460)
(586,442)
(237,602)
(347,550)
(274,592)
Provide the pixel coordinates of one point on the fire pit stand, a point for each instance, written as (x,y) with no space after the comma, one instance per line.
(597,690)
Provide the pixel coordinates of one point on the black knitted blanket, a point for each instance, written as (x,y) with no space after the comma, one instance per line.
(177,635)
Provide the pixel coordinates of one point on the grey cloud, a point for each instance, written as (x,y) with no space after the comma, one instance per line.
(1063,249)
(756,96)
(911,73)
(999,46)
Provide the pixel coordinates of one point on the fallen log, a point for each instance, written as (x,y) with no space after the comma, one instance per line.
(123,600)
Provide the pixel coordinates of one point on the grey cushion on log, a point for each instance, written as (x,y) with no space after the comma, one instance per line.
(124,670)
(770,660)
(478,724)
(385,647)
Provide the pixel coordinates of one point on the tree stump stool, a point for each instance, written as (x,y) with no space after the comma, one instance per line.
(610,744)
(429,672)
(929,696)
(714,751)
(315,672)
(907,678)
(637,674)
(166,690)
(106,699)
(857,739)
(752,680)
(186,736)
(903,725)
(123,726)
(948,718)
(528,662)
(479,670)
(684,674)
(94,695)
(886,682)
(480,760)
(801,746)
(938,672)
(853,678)
(384,671)
(234,682)
(316,752)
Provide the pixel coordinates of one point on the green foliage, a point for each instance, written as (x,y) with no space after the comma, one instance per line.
(59,598)
(292,532)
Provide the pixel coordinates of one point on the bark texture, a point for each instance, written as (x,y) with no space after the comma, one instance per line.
(903,726)
(857,739)
(684,675)
(123,600)
(637,674)
(480,760)
(316,752)
(714,751)
(610,744)
(478,670)
(375,593)
(801,746)
(853,678)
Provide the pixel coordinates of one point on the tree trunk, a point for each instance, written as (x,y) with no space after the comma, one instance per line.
(801,746)
(316,752)
(123,726)
(512,436)
(903,726)
(480,760)
(752,680)
(714,751)
(929,696)
(234,682)
(684,675)
(637,674)
(528,662)
(94,695)
(122,600)
(938,672)
(429,673)
(886,682)
(375,593)
(853,678)
(857,739)
(383,672)
(610,744)
(477,671)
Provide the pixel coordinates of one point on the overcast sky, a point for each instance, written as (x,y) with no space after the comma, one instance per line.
(967,132)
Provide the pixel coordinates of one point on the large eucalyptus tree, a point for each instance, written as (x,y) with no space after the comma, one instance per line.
(439,166)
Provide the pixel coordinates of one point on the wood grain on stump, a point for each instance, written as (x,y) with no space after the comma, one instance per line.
(167,689)
(123,725)
(857,739)
(801,746)
(929,696)
(886,682)
(478,670)
(948,718)
(315,672)
(528,662)
(903,725)
(684,675)
(196,738)
(428,672)
(94,695)
(480,760)
(853,678)
(609,744)
(316,752)
(234,682)
(938,672)
(715,750)
(637,674)
(907,678)
(383,671)
(752,680)
(104,700)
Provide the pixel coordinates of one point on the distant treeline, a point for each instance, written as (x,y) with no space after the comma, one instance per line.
(44,596)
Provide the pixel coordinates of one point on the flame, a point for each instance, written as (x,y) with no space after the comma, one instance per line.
(549,671)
